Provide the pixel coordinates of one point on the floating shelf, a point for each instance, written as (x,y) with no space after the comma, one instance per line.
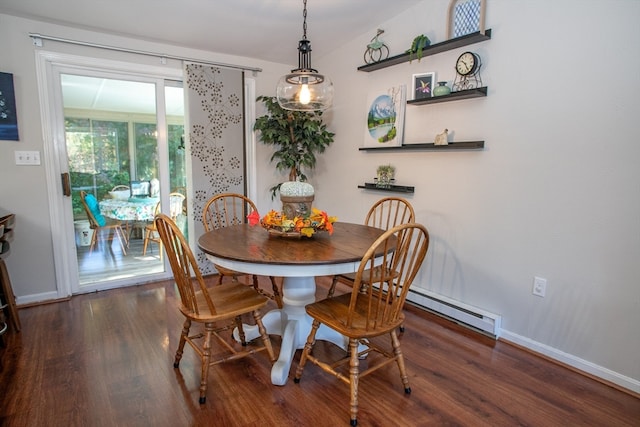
(465,145)
(444,46)
(453,96)
(394,188)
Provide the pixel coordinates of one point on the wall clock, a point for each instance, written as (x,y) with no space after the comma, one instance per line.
(467,64)
(467,68)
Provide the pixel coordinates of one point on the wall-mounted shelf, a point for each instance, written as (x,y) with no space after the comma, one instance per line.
(464,145)
(444,46)
(394,188)
(453,96)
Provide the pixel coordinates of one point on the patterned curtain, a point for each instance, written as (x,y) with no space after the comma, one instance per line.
(215,116)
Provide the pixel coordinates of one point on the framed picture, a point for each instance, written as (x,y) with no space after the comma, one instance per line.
(385,117)
(423,85)
(8,117)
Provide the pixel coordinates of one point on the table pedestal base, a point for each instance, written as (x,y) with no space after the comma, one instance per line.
(293,324)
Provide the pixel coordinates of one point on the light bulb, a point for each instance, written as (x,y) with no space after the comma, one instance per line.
(305,94)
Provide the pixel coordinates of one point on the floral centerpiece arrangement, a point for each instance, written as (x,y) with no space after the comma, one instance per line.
(278,223)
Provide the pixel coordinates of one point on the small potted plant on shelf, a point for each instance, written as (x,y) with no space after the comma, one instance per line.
(385,176)
(417,46)
(298,137)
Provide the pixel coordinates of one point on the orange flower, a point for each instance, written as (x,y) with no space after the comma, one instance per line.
(307,226)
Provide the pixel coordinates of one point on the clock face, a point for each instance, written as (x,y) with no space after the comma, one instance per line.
(466,64)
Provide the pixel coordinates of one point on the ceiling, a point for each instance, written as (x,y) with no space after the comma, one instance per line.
(263,29)
(93,93)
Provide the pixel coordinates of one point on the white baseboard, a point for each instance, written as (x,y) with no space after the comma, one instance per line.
(573,361)
(34,298)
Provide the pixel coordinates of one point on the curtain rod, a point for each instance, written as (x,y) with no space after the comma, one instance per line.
(37,41)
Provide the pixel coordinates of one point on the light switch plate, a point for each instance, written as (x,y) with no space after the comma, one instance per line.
(29,158)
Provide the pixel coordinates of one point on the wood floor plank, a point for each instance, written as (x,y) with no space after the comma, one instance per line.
(106,359)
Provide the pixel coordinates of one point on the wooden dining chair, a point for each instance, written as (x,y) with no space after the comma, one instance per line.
(123,192)
(385,214)
(183,191)
(99,224)
(224,210)
(213,307)
(150,232)
(176,205)
(370,311)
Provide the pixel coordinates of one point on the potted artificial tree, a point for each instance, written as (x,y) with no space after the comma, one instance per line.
(297,137)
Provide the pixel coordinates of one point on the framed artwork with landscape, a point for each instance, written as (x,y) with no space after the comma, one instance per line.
(385,117)
(423,85)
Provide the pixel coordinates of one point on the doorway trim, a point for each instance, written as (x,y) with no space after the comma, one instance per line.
(48,65)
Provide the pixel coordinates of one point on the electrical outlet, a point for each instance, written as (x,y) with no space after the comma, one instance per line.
(539,286)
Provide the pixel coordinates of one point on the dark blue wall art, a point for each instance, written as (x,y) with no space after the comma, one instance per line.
(8,117)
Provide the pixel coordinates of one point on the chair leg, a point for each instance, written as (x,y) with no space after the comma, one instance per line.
(241,335)
(126,229)
(354,373)
(94,240)
(125,233)
(183,340)
(206,357)
(332,288)
(395,343)
(120,236)
(276,292)
(263,334)
(307,349)
(256,285)
(147,235)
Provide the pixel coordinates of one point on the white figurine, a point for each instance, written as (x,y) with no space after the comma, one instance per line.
(441,138)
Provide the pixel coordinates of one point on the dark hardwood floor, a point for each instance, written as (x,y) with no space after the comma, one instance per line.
(106,359)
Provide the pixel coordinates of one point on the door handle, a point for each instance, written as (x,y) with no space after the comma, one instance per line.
(66,184)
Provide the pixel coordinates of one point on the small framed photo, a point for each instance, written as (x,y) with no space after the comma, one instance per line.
(423,85)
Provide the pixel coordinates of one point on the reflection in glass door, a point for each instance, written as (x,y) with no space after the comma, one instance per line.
(113,144)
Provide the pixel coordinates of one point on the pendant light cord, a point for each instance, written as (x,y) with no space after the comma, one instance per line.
(304,20)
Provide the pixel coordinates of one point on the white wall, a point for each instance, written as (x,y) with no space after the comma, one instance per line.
(556,191)
(23,189)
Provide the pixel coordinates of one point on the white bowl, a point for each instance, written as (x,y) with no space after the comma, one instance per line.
(120,194)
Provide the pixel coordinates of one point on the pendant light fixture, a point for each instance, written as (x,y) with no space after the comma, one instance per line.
(304,89)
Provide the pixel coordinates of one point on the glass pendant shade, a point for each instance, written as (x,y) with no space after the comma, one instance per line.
(304,90)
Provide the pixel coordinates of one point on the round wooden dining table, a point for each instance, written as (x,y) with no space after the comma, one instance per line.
(251,249)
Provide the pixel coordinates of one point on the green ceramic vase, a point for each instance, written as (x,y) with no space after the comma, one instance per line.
(441,89)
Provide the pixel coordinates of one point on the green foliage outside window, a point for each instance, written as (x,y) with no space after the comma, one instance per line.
(100,159)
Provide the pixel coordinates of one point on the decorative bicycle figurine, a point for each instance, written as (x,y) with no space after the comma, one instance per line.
(376,50)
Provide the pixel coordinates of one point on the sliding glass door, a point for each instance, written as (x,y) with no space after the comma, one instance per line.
(125,154)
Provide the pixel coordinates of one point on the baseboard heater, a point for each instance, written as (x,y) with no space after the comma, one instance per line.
(459,312)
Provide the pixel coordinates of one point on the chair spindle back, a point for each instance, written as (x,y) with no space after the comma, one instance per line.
(384,300)
(226,209)
(183,264)
(389,212)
